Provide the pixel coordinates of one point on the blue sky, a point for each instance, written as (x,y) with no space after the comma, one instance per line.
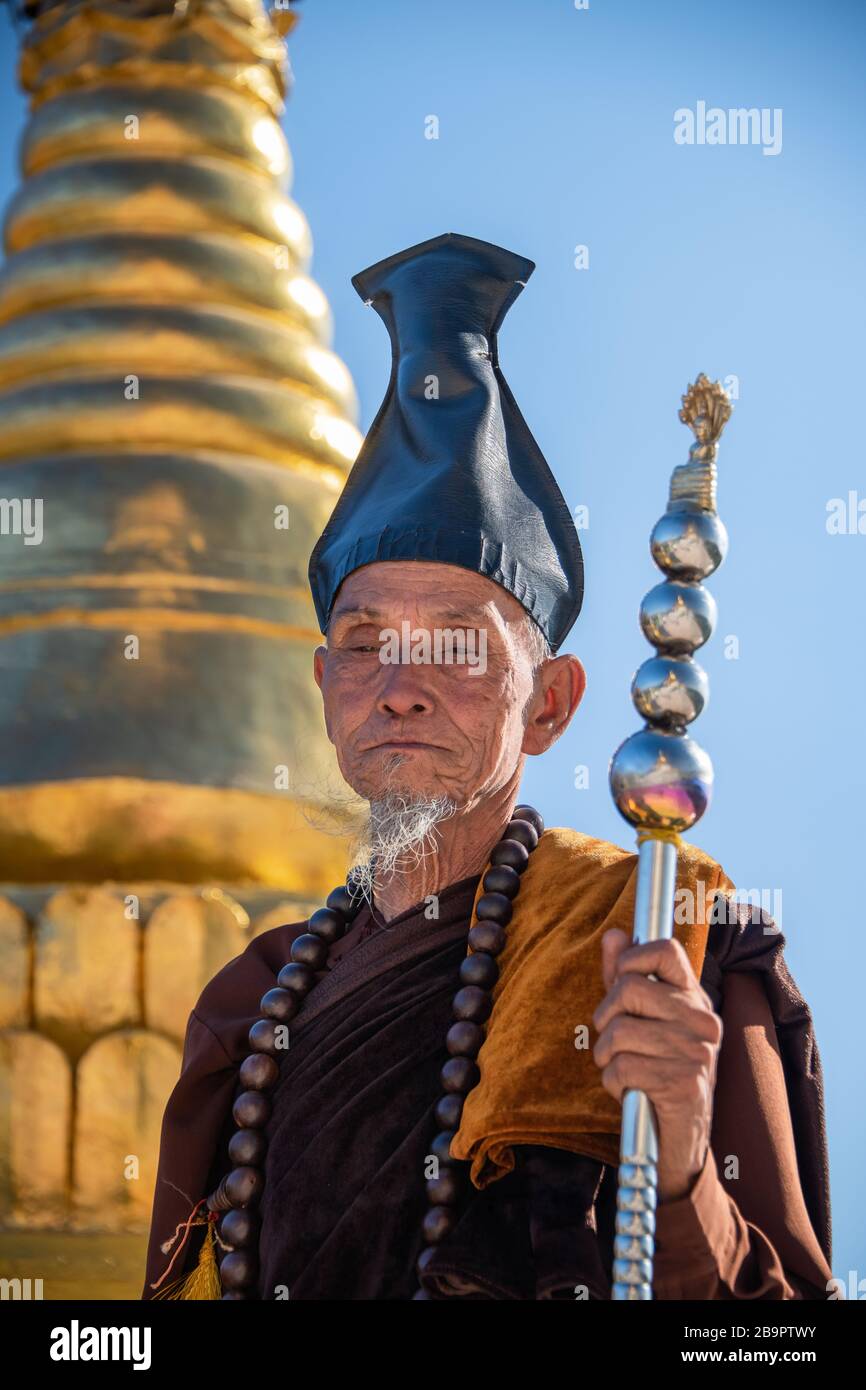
(556,129)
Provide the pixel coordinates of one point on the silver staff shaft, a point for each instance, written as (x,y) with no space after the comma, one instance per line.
(634,1244)
(661,779)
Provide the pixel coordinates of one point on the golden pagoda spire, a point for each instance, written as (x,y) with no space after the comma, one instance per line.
(167,394)
(173,434)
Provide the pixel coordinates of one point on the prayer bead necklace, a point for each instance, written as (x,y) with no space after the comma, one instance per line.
(239,1193)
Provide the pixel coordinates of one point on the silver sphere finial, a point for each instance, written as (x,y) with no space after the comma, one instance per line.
(661,779)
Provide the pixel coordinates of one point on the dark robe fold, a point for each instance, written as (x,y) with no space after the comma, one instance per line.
(747,940)
(353,1121)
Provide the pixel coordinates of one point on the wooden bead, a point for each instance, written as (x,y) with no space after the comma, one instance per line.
(245,1185)
(512,853)
(251,1110)
(487,936)
(297,979)
(239,1228)
(473,1004)
(501,879)
(479,969)
(238,1270)
(438,1223)
(344,902)
(247,1147)
(280,1004)
(524,812)
(327,925)
(460,1074)
(441,1147)
(311,950)
(354,886)
(494,907)
(449,1109)
(464,1039)
(259,1072)
(445,1190)
(424,1259)
(523,832)
(263,1037)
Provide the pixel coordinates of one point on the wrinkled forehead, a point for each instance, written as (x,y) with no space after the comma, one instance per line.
(424,591)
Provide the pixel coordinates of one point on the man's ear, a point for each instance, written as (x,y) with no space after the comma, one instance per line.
(319,664)
(319,656)
(563,683)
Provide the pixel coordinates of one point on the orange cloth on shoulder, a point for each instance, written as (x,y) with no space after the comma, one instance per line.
(537,1085)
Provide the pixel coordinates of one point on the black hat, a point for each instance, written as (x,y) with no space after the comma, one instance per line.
(449,470)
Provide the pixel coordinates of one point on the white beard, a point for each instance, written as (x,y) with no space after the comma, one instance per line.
(399,833)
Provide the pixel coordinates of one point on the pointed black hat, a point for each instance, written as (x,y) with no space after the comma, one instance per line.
(449,470)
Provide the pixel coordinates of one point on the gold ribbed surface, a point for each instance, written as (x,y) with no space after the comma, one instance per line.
(231,44)
(167,390)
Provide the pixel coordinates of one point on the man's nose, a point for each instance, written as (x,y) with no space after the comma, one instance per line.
(404,692)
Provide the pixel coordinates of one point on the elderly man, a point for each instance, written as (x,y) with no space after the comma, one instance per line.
(416,1093)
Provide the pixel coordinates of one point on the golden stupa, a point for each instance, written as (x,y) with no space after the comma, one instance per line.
(174,432)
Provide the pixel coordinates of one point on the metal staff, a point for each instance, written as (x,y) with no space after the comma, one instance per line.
(661,779)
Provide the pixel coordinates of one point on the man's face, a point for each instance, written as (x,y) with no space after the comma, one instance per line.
(455,729)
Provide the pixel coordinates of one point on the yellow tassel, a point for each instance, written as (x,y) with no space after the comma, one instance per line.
(204,1280)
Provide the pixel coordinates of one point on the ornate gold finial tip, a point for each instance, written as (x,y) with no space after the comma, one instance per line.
(706,409)
(282,19)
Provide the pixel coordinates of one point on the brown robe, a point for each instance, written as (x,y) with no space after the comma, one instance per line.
(352,1125)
